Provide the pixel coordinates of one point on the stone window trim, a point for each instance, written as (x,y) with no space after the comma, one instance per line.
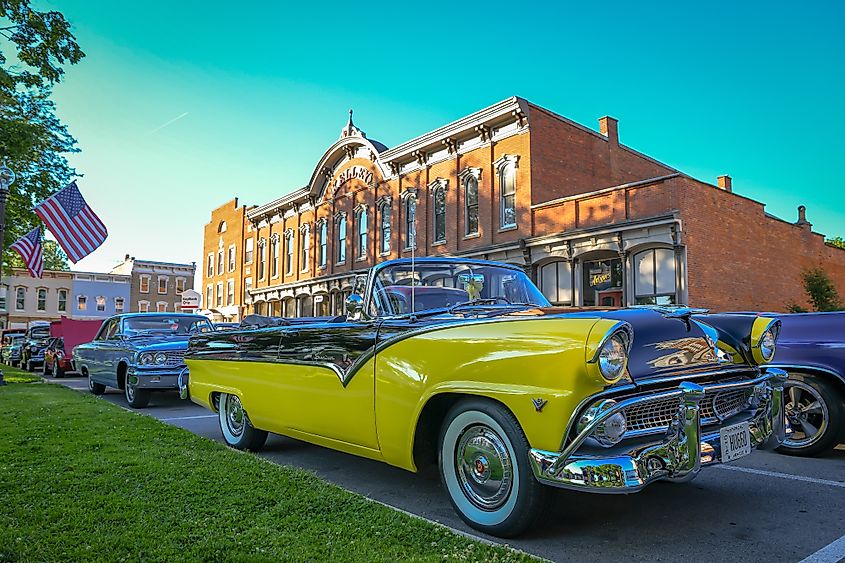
(322,228)
(361,210)
(249,250)
(409,194)
(81,302)
(181,283)
(505,163)
(289,252)
(19,299)
(144,278)
(384,210)
(262,258)
(166,280)
(464,177)
(61,300)
(433,189)
(233,257)
(275,239)
(38,306)
(305,246)
(143,306)
(339,218)
(100,301)
(209,265)
(161,306)
(119,304)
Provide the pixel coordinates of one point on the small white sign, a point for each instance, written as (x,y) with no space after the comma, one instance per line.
(190,300)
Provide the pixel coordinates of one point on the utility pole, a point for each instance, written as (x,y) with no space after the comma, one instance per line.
(7,178)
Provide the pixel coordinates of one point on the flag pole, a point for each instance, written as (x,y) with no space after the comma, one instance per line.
(7,178)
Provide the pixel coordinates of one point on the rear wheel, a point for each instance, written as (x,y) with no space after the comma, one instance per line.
(815,415)
(136,397)
(94,387)
(484,467)
(238,431)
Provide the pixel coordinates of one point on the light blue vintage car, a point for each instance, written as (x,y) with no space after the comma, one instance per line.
(138,353)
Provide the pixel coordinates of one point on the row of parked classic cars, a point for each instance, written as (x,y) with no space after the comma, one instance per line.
(465,366)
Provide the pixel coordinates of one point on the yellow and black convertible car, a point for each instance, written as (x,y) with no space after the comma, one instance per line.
(464,363)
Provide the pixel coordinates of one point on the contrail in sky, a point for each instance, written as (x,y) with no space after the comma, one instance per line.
(163,125)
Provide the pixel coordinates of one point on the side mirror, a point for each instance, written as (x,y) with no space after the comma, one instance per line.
(354,306)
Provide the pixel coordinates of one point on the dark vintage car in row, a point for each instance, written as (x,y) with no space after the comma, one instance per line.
(463,364)
(138,353)
(32,349)
(811,348)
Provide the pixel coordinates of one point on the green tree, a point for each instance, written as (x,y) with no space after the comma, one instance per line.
(34,49)
(821,291)
(54,257)
(838,242)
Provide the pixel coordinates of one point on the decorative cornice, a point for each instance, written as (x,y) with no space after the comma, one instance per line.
(437,184)
(469,172)
(504,160)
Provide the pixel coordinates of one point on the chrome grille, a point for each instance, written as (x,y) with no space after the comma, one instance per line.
(658,415)
(175,358)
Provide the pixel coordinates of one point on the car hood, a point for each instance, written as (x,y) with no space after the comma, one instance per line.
(159,344)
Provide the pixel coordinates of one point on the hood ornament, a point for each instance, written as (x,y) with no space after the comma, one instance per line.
(539,404)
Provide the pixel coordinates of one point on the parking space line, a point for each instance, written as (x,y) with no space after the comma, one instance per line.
(828,554)
(827,482)
(187,417)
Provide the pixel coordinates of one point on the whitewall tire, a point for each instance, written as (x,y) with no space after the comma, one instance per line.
(484,467)
(238,431)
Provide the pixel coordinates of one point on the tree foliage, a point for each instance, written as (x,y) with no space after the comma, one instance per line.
(821,291)
(838,242)
(33,141)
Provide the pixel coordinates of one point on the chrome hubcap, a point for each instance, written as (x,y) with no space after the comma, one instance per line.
(806,414)
(485,469)
(130,391)
(234,415)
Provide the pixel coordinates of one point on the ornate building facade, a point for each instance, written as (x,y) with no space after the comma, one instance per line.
(595,222)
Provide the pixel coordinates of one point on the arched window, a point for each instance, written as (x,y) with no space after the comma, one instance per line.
(556,282)
(507,191)
(361,222)
(324,243)
(274,256)
(304,247)
(471,205)
(221,227)
(289,253)
(440,214)
(654,277)
(410,209)
(384,227)
(340,229)
(262,258)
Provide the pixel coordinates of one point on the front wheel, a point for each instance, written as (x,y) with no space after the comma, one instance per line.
(485,469)
(815,415)
(238,431)
(136,397)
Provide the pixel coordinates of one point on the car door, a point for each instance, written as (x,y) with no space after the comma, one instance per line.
(323,383)
(94,354)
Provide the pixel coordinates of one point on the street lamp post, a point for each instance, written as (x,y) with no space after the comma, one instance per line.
(7,178)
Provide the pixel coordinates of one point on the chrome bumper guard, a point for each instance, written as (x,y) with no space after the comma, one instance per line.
(678,455)
(182,382)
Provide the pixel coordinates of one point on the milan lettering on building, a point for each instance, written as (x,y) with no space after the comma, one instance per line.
(358,172)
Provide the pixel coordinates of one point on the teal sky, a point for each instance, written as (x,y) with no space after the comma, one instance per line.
(180,106)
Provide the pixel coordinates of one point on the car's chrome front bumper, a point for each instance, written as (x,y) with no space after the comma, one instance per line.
(678,455)
(154,378)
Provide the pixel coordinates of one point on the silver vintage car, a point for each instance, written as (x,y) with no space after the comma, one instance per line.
(138,353)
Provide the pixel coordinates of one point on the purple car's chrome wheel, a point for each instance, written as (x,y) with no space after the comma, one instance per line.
(806,414)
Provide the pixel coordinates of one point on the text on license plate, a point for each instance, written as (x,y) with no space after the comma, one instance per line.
(736,441)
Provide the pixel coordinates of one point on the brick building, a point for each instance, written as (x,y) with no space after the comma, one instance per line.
(155,286)
(594,221)
(225,266)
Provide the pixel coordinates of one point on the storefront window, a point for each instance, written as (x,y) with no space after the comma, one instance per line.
(556,282)
(654,277)
(602,283)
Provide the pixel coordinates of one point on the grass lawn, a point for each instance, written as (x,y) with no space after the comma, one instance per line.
(82,479)
(15,375)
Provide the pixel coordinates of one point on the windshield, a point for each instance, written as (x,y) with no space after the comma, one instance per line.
(39,333)
(165,324)
(398,290)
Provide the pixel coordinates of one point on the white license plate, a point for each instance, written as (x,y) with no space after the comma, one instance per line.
(736,441)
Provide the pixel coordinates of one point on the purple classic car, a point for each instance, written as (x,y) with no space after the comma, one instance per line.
(811,347)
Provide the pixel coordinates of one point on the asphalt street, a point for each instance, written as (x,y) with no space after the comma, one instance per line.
(765,507)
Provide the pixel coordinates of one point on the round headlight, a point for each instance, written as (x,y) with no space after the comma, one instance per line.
(767,345)
(613,358)
(145,358)
(160,358)
(609,432)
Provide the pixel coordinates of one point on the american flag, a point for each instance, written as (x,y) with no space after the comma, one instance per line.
(29,247)
(75,225)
